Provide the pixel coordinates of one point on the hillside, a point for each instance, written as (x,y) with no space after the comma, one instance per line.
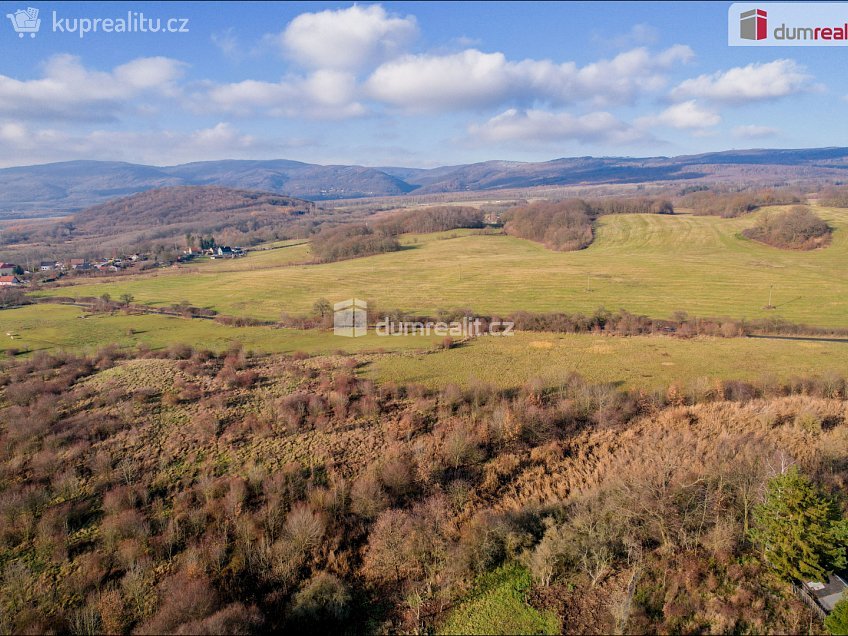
(651,264)
(177,209)
(61,187)
(164,217)
(188,492)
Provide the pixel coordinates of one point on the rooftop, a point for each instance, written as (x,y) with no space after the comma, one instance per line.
(828,594)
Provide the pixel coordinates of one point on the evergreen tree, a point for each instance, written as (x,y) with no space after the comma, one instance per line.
(837,622)
(800,529)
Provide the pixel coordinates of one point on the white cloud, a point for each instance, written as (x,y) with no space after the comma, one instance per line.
(540,126)
(751,83)
(228,43)
(68,90)
(347,39)
(324,94)
(145,73)
(685,115)
(752,131)
(471,79)
(24,144)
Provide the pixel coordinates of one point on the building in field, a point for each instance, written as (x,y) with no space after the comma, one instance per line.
(10,281)
(7,269)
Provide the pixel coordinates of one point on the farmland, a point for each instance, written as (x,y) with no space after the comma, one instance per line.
(295,479)
(649,264)
(634,362)
(57,327)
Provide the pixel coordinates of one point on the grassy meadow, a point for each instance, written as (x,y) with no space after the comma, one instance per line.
(61,327)
(648,264)
(504,362)
(631,362)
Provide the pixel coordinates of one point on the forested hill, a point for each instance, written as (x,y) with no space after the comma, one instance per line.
(55,189)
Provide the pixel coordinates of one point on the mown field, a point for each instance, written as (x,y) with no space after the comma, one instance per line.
(648,264)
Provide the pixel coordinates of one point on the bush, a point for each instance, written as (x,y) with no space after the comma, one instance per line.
(797,228)
(322,603)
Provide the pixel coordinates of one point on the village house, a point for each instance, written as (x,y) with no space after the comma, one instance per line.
(7,269)
(9,281)
(79,264)
(47,266)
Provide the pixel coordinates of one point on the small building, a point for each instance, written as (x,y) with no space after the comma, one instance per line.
(47,266)
(79,264)
(827,594)
(7,269)
(10,281)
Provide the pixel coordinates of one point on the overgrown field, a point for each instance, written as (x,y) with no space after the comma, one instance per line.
(650,264)
(186,492)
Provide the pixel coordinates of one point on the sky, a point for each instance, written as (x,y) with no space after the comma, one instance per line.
(405,83)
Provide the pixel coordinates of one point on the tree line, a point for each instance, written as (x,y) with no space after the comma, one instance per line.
(353,240)
(713,202)
(568,225)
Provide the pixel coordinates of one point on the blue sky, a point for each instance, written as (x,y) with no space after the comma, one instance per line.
(412,84)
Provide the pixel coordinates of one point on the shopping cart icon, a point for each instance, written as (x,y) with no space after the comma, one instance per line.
(25,21)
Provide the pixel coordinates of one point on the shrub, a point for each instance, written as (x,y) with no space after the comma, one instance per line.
(304,528)
(322,603)
(797,228)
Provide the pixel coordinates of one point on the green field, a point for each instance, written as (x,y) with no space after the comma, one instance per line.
(632,362)
(648,264)
(58,327)
(505,362)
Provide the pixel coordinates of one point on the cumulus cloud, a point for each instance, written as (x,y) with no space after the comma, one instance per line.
(347,39)
(752,83)
(471,78)
(540,126)
(685,115)
(68,90)
(324,94)
(752,131)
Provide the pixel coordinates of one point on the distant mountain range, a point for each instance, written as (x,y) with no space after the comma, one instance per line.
(59,188)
